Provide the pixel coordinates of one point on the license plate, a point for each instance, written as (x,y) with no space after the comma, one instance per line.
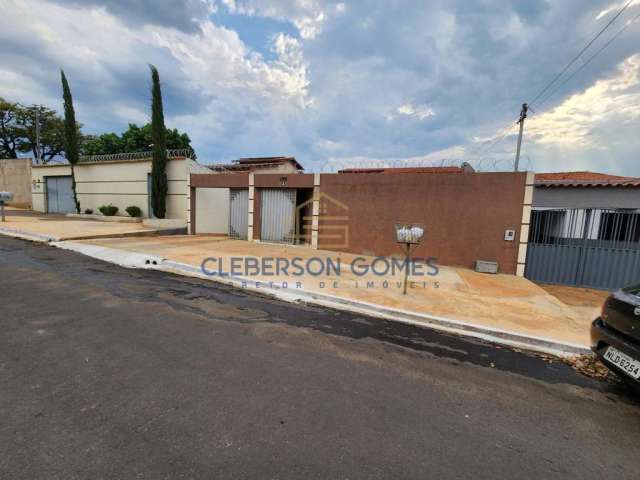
(623,361)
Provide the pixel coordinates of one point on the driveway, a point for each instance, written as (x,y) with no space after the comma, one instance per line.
(114,373)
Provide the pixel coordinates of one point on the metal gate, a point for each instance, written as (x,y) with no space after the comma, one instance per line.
(278,207)
(60,195)
(238,213)
(593,247)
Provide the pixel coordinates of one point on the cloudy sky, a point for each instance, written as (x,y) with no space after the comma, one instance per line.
(344,83)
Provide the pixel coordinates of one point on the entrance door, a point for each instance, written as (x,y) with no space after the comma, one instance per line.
(60,195)
(238,213)
(278,207)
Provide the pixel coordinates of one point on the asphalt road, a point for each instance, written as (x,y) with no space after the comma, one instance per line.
(108,373)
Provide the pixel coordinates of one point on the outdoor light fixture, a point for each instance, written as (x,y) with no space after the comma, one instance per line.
(5,197)
(408,234)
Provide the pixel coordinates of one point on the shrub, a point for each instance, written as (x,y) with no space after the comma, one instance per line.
(134,211)
(108,210)
(88,211)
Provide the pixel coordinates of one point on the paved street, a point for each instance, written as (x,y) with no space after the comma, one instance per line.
(114,373)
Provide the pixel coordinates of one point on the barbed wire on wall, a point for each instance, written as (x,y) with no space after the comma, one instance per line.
(172,153)
(500,162)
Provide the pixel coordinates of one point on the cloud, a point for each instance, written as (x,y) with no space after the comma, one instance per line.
(307,15)
(181,14)
(575,122)
(615,7)
(333,81)
(420,112)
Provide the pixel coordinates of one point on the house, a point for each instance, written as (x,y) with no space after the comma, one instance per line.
(585,190)
(260,165)
(122,180)
(585,230)
(468,216)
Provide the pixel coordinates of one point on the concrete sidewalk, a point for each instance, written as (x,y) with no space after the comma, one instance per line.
(503,305)
(53,227)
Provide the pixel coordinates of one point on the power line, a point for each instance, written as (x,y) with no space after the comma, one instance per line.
(484,149)
(588,61)
(562,72)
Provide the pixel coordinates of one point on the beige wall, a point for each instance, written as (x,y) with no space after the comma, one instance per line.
(212,210)
(122,184)
(38,189)
(282,168)
(15,177)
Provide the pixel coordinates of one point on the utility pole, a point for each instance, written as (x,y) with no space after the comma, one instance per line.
(37,135)
(523,115)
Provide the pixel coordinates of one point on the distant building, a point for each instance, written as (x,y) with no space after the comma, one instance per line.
(260,165)
(586,190)
(585,230)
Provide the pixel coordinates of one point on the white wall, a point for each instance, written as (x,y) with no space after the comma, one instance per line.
(122,184)
(212,210)
(586,197)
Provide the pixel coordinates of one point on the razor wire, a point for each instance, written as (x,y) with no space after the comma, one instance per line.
(132,156)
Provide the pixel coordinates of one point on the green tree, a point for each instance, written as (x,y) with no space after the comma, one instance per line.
(18,131)
(105,144)
(9,133)
(71,143)
(51,143)
(159,184)
(134,139)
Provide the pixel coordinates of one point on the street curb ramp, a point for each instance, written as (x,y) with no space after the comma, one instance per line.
(112,255)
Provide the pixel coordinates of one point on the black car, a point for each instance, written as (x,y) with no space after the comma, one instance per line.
(615,334)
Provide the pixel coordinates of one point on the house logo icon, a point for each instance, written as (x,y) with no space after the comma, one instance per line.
(327,215)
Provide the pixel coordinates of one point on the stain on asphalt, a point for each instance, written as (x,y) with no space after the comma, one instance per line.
(216,301)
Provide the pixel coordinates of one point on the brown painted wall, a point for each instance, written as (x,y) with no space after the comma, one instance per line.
(465,215)
(274,180)
(222,180)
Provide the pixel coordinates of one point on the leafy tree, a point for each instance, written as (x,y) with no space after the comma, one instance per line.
(9,133)
(107,143)
(51,132)
(18,131)
(159,184)
(71,143)
(134,139)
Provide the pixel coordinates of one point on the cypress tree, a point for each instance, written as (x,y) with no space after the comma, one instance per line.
(158,135)
(71,144)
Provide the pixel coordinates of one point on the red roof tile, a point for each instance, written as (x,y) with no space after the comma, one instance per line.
(584,179)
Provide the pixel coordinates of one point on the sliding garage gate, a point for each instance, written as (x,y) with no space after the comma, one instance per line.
(238,213)
(60,195)
(278,212)
(597,248)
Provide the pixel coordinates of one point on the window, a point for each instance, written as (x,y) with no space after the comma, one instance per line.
(620,226)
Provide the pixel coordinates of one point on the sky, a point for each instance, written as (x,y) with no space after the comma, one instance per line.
(342,84)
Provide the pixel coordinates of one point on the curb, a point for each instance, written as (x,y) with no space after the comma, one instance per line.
(494,335)
(111,255)
(137,260)
(25,235)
